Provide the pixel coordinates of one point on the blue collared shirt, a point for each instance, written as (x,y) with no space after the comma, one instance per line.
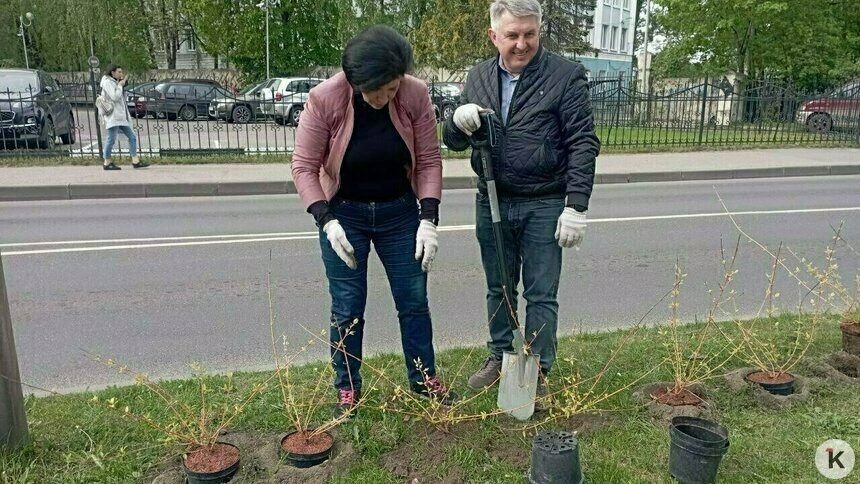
(509,84)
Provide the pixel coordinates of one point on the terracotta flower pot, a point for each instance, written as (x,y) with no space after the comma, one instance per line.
(850,336)
(306,449)
(215,464)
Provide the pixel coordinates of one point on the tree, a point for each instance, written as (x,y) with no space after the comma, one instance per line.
(804,40)
(168,24)
(63,32)
(453,35)
(566,25)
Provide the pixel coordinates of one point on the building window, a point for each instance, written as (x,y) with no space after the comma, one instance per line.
(626,4)
(604,38)
(612,44)
(190,41)
(623,47)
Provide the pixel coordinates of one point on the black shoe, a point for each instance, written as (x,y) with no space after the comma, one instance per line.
(346,403)
(433,389)
(543,400)
(111,166)
(141,164)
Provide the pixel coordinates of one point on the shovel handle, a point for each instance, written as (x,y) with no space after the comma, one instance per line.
(495,214)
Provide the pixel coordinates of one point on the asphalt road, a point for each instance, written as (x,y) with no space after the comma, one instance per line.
(190,285)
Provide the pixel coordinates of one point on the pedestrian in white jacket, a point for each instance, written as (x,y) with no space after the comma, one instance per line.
(118,120)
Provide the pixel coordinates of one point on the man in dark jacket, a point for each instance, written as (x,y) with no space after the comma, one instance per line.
(544,169)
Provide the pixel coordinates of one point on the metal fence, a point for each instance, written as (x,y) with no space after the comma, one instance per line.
(688,113)
(712,112)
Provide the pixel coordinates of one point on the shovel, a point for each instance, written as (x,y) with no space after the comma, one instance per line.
(519,374)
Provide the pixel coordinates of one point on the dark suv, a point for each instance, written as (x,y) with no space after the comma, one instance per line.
(445,97)
(33,110)
(183,100)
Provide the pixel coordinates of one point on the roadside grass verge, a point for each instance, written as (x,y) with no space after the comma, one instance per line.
(73,441)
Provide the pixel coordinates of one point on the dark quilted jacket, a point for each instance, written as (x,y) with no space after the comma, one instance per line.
(548,147)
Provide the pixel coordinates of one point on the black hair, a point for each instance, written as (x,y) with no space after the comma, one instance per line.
(111,68)
(375,57)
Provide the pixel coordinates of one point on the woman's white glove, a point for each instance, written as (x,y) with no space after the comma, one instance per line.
(570,228)
(337,238)
(426,244)
(467,118)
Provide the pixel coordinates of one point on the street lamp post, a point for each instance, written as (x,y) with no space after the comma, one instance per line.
(268,74)
(265,6)
(93,62)
(21,26)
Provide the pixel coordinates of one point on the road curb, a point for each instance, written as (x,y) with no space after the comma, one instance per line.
(75,191)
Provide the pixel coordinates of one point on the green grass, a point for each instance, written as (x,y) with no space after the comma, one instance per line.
(77,442)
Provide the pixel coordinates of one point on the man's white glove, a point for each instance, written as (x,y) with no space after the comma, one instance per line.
(570,228)
(468,118)
(426,244)
(337,238)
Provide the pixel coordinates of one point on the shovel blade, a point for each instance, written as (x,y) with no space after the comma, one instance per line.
(518,384)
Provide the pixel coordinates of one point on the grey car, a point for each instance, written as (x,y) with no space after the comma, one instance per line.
(241,108)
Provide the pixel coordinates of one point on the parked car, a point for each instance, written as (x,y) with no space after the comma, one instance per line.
(445,97)
(183,100)
(839,109)
(285,99)
(239,108)
(135,97)
(34,110)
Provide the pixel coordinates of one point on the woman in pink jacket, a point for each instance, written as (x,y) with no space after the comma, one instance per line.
(367,167)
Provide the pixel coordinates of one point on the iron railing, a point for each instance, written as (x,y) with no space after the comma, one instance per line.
(692,113)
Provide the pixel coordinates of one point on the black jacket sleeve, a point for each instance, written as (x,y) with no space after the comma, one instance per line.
(579,138)
(455,139)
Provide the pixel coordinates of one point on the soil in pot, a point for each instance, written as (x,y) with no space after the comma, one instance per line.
(850,336)
(212,464)
(306,449)
(667,397)
(776,383)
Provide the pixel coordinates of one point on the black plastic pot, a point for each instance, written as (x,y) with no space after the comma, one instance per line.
(304,461)
(555,459)
(212,477)
(697,446)
(778,388)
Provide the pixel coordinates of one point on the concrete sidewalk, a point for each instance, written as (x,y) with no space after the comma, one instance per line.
(77,182)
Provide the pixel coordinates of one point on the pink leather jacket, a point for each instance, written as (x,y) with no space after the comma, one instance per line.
(326,128)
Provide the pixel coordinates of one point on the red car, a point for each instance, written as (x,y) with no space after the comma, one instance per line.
(839,109)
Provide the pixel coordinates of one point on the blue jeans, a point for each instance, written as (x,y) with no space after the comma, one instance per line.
(111,139)
(528,228)
(391,227)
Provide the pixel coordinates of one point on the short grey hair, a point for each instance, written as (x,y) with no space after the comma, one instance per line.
(517,8)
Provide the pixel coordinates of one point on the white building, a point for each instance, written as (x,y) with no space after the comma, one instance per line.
(612,39)
(189,56)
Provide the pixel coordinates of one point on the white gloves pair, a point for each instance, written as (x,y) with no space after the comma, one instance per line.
(570,228)
(467,118)
(571,224)
(426,244)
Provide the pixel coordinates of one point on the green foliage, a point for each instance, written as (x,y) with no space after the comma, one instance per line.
(454,35)
(62,31)
(813,43)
